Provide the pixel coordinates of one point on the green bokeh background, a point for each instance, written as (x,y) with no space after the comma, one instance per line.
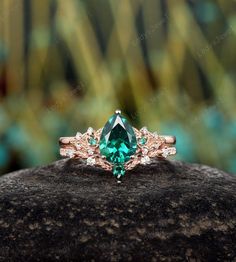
(67,65)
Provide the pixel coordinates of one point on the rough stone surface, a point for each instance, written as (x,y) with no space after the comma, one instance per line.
(167,211)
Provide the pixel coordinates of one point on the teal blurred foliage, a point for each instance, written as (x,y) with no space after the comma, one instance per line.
(67,65)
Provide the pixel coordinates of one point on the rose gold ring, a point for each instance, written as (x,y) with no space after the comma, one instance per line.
(117,146)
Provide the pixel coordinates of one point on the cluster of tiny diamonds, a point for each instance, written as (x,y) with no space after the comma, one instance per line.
(86,146)
(150,145)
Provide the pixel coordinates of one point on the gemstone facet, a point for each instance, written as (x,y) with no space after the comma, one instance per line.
(118,170)
(91,161)
(118,142)
(142,141)
(92,141)
(145,160)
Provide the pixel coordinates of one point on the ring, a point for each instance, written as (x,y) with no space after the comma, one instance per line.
(118,146)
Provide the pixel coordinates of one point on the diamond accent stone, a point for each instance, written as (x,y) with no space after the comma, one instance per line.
(165,153)
(90,131)
(168,151)
(91,161)
(145,160)
(144,130)
(78,135)
(70,153)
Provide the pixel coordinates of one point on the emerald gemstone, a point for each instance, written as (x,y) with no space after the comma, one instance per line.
(118,141)
(118,170)
(92,141)
(142,141)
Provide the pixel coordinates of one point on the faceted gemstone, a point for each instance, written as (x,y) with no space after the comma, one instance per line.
(90,131)
(78,135)
(118,170)
(118,141)
(142,140)
(91,161)
(144,130)
(145,160)
(70,153)
(92,141)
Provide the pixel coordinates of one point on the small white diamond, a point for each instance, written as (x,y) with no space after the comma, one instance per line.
(145,160)
(165,152)
(172,150)
(90,152)
(70,153)
(78,135)
(91,161)
(144,130)
(168,151)
(90,131)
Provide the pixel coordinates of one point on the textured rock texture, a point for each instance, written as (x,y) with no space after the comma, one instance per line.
(167,211)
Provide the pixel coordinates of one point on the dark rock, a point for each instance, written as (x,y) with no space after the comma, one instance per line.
(167,211)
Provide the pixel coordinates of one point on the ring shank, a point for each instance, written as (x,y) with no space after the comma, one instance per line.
(170,140)
(66,140)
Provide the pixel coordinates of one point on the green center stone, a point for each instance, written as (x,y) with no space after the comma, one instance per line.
(118,142)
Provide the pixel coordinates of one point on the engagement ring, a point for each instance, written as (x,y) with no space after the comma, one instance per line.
(118,146)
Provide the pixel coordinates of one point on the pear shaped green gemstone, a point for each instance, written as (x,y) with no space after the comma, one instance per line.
(118,140)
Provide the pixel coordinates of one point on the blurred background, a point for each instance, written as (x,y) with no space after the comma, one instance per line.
(67,65)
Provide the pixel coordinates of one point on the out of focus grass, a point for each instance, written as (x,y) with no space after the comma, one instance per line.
(67,65)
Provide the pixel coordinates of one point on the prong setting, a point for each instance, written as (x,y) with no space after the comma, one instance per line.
(90,131)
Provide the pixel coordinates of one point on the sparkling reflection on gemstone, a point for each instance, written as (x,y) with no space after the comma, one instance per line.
(118,141)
